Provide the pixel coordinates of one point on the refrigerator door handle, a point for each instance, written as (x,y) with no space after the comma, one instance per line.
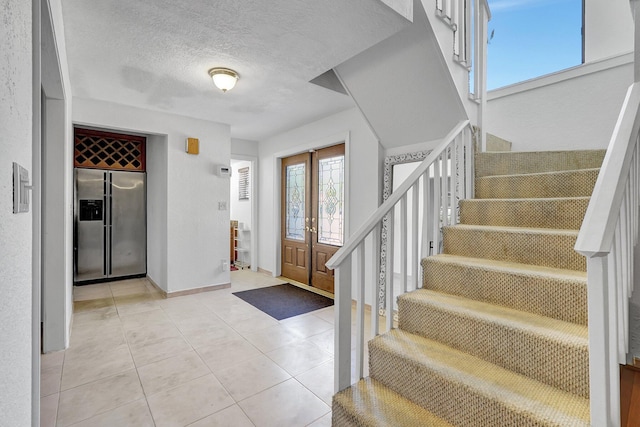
(105,224)
(110,246)
(104,252)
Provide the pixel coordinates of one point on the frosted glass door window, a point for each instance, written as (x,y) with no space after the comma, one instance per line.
(295,202)
(331,200)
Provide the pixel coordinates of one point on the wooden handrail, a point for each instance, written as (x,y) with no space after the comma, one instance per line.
(366,228)
(598,227)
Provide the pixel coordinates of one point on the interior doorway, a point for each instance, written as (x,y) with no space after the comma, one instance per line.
(312,214)
(241,209)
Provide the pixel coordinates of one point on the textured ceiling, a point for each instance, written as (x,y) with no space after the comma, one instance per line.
(155,54)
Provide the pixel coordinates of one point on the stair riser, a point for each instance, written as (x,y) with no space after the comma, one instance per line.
(445,395)
(561,184)
(544,213)
(487,164)
(521,351)
(548,250)
(559,298)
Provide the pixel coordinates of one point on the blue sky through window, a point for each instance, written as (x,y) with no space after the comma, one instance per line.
(532,38)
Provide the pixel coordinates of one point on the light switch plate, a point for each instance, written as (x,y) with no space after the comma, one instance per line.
(21,189)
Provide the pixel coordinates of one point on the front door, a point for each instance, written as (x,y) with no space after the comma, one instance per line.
(312,215)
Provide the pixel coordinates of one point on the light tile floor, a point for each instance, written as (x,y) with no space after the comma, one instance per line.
(209,359)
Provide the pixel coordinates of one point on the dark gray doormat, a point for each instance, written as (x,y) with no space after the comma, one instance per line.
(283,301)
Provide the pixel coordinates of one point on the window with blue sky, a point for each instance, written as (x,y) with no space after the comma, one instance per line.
(532,38)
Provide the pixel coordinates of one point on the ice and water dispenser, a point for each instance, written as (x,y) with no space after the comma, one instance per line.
(90,210)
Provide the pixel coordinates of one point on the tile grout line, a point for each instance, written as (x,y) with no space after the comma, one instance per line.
(174,321)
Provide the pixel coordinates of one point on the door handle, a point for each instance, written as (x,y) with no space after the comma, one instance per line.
(312,229)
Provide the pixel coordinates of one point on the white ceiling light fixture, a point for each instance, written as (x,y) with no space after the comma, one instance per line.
(224,78)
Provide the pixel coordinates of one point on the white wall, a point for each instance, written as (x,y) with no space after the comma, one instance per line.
(244,147)
(157,208)
(444,34)
(364,169)
(65,133)
(57,192)
(15,229)
(421,102)
(573,109)
(57,256)
(195,226)
(608,29)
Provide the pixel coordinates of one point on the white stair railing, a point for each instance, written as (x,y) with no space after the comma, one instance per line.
(608,238)
(444,177)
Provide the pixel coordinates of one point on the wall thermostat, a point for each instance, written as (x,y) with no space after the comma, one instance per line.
(224,171)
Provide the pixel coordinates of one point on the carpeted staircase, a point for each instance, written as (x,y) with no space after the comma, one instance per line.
(497,336)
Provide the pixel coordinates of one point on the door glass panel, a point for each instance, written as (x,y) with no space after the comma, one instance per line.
(295,202)
(331,200)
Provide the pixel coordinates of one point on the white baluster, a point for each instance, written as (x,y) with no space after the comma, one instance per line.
(622,242)
(628,239)
(445,188)
(375,274)
(454,181)
(360,311)
(613,355)
(435,206)
(415,234)
(468,33)
(427,214)
(468,164)
(404,259)
(456,27)
(615,294)
(390,262)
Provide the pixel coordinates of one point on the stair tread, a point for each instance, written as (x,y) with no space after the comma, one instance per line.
(559,330)
(540,174)
(521,230)
(515,390)
(512,267)
(526,199)
(373,404)
(490,163)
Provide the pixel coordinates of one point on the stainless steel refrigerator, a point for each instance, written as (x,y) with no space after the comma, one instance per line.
(110,233)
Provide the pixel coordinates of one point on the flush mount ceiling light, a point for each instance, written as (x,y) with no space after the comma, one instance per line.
(224,78)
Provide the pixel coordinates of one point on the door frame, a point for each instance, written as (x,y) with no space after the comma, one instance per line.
(335,139)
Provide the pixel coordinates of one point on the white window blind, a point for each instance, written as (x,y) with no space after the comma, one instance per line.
(243,184)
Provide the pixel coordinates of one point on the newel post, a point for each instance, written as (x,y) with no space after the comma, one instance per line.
(603,368)
(342,357)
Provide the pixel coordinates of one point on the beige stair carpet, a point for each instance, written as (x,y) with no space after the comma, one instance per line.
(498,334)
(466,390)
(552,292)
(563,213)
(519,162)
